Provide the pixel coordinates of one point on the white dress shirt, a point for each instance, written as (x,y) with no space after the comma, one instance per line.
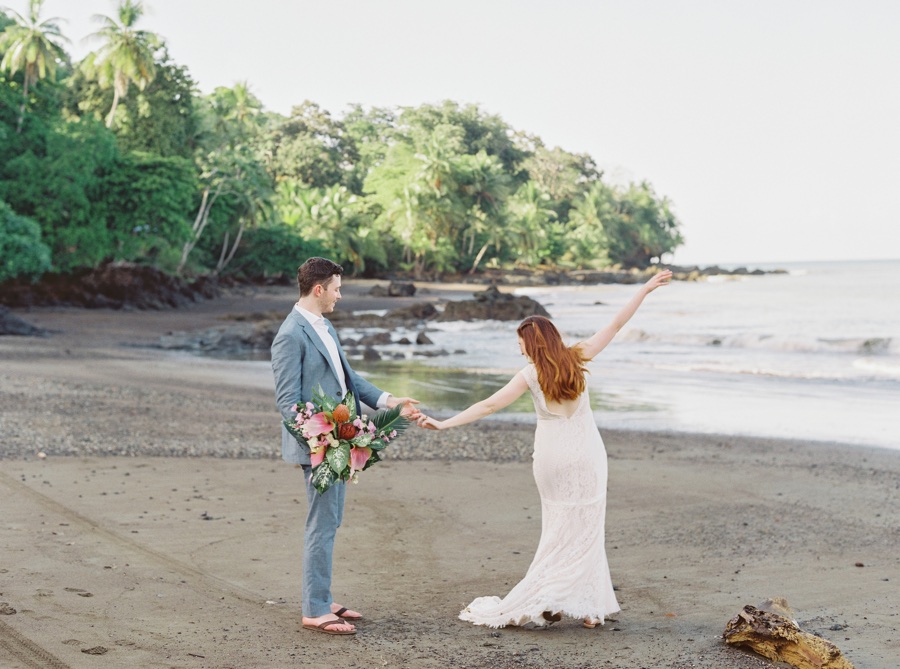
(321,327)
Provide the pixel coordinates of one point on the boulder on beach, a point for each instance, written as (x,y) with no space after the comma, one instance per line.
(393,289)
(10,324)
(233,339)
(421,311)
(491,304)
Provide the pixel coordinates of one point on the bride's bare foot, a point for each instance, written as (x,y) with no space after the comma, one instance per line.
(345,613)
(591,623)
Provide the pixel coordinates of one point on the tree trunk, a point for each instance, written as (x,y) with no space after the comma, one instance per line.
(22,107)
(225,258)
(778,638)
(200,221)
(112,112)
(479,257)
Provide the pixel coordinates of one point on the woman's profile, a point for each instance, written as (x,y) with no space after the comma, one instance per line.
(569,574)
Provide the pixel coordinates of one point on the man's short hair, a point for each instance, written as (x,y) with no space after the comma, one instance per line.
(316,271)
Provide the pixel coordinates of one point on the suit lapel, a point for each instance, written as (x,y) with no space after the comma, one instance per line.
(346,365)
(316,340)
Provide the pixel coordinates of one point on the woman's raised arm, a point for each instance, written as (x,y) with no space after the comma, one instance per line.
(599,340)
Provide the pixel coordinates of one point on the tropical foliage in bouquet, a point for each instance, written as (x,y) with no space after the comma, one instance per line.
(341,442)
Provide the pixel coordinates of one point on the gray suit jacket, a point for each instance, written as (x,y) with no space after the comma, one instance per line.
(301,364)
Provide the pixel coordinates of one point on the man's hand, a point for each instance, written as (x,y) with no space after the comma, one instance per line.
(409,411)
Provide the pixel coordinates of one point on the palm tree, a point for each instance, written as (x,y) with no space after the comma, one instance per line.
(127,55)
(33,46)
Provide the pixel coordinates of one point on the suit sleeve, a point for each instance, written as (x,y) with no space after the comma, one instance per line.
(287,366)
(369,393)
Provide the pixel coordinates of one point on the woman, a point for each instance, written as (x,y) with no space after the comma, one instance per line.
(569,574)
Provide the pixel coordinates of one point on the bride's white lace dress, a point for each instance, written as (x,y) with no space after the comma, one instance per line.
(569,572)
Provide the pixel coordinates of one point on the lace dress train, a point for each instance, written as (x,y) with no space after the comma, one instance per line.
(569,572)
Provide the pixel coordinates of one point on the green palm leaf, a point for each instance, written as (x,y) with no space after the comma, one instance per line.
(388,420)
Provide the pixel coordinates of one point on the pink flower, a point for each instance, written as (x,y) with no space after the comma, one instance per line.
(310,407)
(315,459)
(318,424)
(359,456)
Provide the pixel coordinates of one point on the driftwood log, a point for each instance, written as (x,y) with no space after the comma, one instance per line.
(779,638)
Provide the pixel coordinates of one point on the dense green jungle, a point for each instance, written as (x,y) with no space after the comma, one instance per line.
(119,158)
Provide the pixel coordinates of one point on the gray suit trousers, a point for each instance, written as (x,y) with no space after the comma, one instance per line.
(324,514)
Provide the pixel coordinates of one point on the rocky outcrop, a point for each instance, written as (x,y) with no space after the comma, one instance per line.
(394,289)
(10,324)
(564,277)
(110,286)
(237,339)
(491,304)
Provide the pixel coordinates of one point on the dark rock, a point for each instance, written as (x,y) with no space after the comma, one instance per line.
(397,289)
(423,339)
(96,650)
(393,289)
(405,340)
(494,305)
(109,286)
(10,324)
(376,339)
(420,311)
(370,354)
(229,339)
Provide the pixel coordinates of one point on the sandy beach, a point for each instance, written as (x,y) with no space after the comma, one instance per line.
(148,518)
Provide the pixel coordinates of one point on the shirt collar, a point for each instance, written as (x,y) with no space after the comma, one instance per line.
(310,316)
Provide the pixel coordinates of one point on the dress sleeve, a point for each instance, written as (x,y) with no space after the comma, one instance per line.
(530,374)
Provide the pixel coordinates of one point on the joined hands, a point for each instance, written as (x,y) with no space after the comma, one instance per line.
(409,411)
(429,423)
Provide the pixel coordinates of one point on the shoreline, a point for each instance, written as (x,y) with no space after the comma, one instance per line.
(107,346)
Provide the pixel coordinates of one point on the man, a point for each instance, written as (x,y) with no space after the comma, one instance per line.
(306,353)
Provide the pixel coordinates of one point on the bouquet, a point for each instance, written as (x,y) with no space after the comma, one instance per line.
(342,443)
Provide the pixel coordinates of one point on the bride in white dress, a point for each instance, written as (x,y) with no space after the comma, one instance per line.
(569,574)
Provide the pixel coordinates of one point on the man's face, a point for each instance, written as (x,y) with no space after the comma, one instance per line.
(330,293)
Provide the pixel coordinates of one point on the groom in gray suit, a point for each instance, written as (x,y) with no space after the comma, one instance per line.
(306,353)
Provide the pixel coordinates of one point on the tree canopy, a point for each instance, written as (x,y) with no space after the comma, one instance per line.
(119,157)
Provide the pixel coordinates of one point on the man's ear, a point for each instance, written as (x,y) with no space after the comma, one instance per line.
(317,290)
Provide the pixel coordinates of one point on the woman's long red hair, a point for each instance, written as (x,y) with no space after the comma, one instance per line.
(560,368)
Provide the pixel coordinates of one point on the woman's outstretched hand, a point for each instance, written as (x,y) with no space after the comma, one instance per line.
(430,423)
(659,279)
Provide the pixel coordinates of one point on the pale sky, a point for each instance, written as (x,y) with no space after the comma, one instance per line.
(772,125)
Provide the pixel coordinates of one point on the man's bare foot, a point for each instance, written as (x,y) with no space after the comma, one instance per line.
(340,626)
(345,613)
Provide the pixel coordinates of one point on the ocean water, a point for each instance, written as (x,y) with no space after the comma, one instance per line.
(812,354)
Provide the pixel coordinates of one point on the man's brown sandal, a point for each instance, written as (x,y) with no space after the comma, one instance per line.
(341,611)
(326,627)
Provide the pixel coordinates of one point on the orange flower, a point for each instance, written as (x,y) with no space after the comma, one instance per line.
(347,431)
(341,413)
